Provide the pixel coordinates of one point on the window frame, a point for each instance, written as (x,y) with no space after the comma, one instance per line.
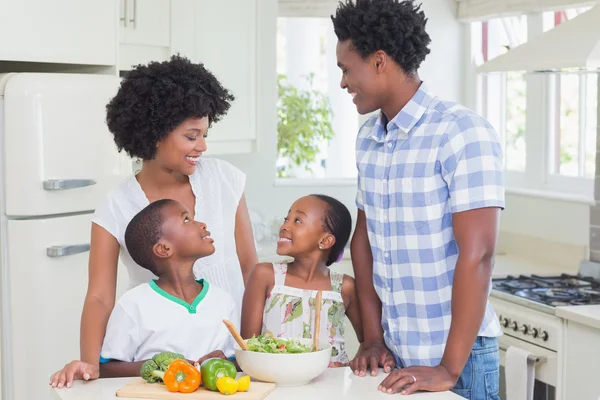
(537,179)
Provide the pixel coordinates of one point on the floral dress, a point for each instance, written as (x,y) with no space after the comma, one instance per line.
(289,312)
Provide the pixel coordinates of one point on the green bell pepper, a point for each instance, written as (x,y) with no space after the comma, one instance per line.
(215,368)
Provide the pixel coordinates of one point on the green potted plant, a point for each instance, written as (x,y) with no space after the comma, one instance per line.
(304,122)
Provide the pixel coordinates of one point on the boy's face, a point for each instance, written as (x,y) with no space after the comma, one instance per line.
(303,228)
(188,239)
(360,77)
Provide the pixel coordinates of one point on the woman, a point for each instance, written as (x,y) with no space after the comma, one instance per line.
(161,114)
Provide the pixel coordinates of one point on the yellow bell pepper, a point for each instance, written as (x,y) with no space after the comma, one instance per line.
(227,385)
(244,383)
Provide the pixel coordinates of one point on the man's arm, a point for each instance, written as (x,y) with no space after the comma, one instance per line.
(372,352)
(476,233)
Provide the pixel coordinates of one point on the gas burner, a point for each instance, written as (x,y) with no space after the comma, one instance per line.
(551,290)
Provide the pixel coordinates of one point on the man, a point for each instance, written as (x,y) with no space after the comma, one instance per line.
(430,191)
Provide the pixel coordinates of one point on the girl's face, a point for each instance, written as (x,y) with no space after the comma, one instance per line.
(180,151)
(303,229)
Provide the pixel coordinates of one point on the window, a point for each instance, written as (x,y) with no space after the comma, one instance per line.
(503,96)
(306,48)
(547,121)
(573,114)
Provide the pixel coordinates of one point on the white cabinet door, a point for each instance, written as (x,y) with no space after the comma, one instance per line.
(59,156)
(144,32)
(46,299)
(226,42)
(59,31)
(145,22)
(582,354)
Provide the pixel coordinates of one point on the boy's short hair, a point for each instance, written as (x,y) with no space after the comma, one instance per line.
(144,231)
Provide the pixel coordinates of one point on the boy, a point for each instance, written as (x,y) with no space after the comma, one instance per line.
(174,312)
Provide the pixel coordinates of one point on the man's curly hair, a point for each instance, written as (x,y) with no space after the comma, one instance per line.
(394,26)
(154,99)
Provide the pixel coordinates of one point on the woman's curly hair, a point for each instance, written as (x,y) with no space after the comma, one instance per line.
(154,99)
(394,26)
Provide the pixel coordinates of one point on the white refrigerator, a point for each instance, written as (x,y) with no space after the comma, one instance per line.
(57,160)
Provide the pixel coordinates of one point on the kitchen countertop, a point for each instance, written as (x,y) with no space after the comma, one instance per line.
(585,315)
(334,383)
(514,265)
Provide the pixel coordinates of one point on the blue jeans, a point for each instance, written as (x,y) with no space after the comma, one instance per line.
(479,379)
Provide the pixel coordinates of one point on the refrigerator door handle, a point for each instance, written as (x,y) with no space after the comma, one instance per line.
(62,184)
(62,251)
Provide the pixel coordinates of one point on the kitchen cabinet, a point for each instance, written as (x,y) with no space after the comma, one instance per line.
(581,361)
(58,31)
(226,42)
(144,31)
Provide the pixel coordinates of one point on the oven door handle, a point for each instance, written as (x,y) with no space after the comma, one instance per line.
(533,358)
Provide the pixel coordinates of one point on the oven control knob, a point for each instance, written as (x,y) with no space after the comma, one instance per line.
(515,326)
(544,336)
(524,329)
(533,332)
(504,322)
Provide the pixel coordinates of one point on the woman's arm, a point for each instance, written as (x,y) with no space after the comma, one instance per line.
(98,304)
(260,282)
(352,307)
(244,240)
(101,293)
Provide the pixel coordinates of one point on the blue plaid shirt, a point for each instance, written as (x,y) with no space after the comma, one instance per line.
(437,158)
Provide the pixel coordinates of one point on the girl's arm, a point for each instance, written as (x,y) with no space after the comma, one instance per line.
(259,285)
(99,302)
(352,307)
(244,240)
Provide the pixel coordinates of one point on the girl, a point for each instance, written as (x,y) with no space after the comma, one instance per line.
(281,298)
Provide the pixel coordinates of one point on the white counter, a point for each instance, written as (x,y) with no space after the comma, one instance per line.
(334,383)
(511,265)
(585,315)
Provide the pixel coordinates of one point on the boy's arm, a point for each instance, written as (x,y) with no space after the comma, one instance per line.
(260,282)
(352,307)
(118,369)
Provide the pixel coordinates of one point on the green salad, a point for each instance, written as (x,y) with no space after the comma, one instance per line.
(270,344)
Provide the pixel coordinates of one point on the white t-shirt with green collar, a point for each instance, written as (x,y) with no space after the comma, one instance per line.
(147,320)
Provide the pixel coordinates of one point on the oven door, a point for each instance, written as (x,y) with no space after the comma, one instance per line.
(546,370)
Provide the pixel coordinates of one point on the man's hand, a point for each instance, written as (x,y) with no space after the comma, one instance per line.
(372,356)
(411,379)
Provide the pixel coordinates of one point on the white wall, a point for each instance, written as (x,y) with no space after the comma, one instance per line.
(442,70)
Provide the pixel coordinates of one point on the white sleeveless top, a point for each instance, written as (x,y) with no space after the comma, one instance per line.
(290,312)
(218,187)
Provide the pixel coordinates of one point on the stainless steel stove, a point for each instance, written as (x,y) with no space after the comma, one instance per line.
(525,306)
(563,290)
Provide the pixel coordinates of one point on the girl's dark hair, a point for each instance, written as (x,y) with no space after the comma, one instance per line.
(154,99)
(338,222)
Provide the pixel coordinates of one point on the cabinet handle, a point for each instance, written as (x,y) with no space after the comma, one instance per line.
(62,251)
(124,18)
(63,184)
(133,20)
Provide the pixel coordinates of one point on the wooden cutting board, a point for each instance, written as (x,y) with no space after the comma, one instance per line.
(140,389)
